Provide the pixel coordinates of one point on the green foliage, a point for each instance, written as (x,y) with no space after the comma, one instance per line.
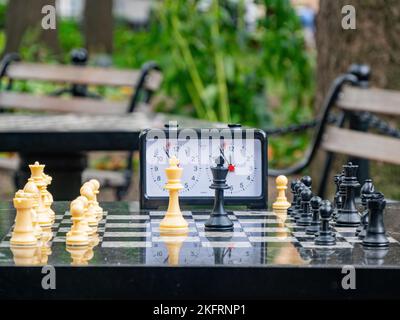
(3,9)
(214,67)
(70,36)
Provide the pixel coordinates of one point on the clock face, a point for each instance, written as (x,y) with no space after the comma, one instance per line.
(243,158)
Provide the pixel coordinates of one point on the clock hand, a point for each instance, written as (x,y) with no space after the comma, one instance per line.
(166,152)
(223,154)
(231,167)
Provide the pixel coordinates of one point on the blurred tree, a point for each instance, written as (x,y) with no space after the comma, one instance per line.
(23,15)
(98,26)
(374,41)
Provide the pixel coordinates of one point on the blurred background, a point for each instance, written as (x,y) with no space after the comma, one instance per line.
(261,63)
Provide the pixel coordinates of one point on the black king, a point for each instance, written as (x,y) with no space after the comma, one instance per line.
(219,219)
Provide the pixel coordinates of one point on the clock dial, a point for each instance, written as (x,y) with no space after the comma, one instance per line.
(186,151)
(244,166)
(243,158)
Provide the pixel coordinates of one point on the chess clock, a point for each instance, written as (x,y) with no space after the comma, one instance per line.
(244,151)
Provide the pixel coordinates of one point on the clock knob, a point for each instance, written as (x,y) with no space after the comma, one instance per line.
(171,125)
(234,125)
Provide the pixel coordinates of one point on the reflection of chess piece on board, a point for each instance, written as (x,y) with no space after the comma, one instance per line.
(375,256)
(78,235)
(281,205)
(219,219)
(78,255)
(220,252)
(81,255)
(288,254)
(24,256)
(91,214)
(44,251)
(23,234)
(173,220)
(173,244)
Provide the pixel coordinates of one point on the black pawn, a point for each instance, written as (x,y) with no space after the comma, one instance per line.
(341,195)
(306,216)
(366,190)
(313,228)
(292,190)
(295,207)
(325,236)
(376,234)
(348,215)
(336,201)
(219,219)
(307,181)
(298,209)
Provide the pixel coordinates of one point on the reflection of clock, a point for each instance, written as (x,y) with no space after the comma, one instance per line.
(244,151)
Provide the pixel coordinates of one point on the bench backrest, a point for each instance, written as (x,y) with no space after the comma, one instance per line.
(85,75)
(148,80)
(363,144)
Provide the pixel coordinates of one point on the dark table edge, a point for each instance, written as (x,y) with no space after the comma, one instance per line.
(222,282)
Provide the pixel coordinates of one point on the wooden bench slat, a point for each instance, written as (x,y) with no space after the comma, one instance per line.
(61,105)
(373,100)
(82,75)
(363,145)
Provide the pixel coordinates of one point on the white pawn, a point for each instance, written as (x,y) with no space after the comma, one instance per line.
(48,197)
(90,232)
(281,204)
(42,217)
(23,234)
(91,213)
(77,236)
(96,189)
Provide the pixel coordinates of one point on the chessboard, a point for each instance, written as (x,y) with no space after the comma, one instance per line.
(274,258)
(252,228)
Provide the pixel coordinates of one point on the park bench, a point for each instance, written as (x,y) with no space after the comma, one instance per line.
(349,124)
(75,97)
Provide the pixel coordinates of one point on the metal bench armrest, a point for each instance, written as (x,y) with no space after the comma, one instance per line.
(334,91)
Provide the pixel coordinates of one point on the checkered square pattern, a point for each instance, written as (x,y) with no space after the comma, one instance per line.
(251,229)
